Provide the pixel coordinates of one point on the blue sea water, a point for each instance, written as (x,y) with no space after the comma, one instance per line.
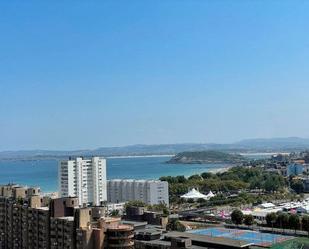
(43,173)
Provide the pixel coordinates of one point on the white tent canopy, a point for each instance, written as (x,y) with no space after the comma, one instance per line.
(267,205)
(194,194)
(210,194)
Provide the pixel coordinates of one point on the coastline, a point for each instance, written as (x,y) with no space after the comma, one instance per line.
(264,153)
(65,157)
(141,156)
(57,158)
(221,170)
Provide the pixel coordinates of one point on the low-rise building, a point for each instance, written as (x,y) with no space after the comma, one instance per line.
(180,240)
(148,191)
(142,214)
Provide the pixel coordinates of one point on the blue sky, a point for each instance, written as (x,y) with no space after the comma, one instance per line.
(85,74)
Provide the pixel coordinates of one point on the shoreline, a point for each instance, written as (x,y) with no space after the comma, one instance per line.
(264,153)
(141,156)
(57,158)
(221,170)
(66,157)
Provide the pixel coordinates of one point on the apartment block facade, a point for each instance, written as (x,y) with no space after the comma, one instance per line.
(62,233)
(148,191)
(83,178)
(26,224)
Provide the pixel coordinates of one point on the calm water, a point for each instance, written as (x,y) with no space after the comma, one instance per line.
(44,173)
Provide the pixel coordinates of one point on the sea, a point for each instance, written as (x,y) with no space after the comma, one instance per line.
(44,173)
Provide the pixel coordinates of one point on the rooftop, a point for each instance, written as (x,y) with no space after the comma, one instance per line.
(68,218)
(164,243)
(42,208)
(134,223)
(210,240)
(120,227)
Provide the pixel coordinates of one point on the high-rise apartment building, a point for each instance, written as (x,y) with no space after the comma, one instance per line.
(83,178)
(148,191)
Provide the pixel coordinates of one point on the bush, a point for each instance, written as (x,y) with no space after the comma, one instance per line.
(248,220)
(305,223)
(294,221)
(271,219)
(175,225)
(237,217)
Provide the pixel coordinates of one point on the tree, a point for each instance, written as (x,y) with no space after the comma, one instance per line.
(181,179)
(258,201)
(282,220)
(190,200)
(159,208)
(248,220)
(297,186)
(270,184)
(294,222)
(271,219)
(255,183)
(195,178)
(115,213)
(169,179)
(305,223)
(175,225)
(237,217)
(207,175)
(236,178)
(201,200)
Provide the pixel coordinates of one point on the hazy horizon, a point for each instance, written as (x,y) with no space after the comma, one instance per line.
(150,144)
(92,74)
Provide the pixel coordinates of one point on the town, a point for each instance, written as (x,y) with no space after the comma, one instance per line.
(259,203)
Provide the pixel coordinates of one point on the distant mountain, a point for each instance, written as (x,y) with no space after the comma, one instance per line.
(208,156)
(131,150)
(248,145)
(275,143)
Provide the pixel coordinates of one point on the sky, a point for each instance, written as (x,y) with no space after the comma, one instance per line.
(88,74)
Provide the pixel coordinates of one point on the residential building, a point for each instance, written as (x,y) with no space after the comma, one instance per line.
(24,223)
(120,236)
(295,169)
(116,207)
(83,178)
(63,207)
(105,233)
(134,213)
(38,228)
(148,191)
(62,233)
(63,224)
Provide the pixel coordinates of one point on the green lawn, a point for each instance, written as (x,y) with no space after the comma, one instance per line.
(297,243)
